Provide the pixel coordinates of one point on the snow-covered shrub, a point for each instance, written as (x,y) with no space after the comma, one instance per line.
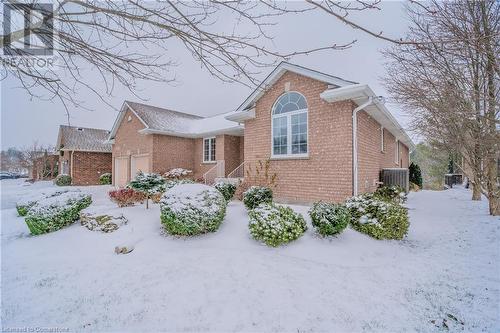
(105,179)
(377,218)
(192,209)
(275,225)
(51,214)
(173,182)
(391,193)
(256,195)
(28,201)
(149,184)
(98,219)
(177,173)
(126,197)
(227,189)
(329,218)
(63,180)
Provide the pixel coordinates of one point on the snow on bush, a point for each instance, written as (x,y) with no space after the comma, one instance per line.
(149,184)
(105,179)
(275,225)
(53,213)
(256,195)
(192,209)
(177,173)
(28,201)
(227,189)
(329,218)
(63,180)
(377,218)
(173,182)
(100,220)
(393,193)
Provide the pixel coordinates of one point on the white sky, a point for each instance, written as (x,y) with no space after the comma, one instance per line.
(24,120)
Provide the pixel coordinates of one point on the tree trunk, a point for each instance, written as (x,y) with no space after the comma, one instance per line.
(476,190)
(494,205)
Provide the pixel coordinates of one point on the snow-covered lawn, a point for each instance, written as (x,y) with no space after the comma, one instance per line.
(447,268)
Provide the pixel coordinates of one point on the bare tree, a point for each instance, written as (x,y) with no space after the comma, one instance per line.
(451,89)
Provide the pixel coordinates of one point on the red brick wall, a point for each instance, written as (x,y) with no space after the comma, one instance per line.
(89,166)
(172,152)
(369,152)
(327,173)
(128,141)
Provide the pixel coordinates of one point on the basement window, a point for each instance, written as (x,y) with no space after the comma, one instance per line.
(209,149)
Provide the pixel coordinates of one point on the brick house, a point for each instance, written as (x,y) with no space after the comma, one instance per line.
(84,154)
(326,138)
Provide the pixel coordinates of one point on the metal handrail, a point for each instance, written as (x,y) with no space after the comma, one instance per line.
(217,171)
(239,172)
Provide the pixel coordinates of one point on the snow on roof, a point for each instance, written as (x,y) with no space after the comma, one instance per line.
(83,139)
(158,120)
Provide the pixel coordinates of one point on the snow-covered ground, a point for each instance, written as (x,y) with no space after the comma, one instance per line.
(446,273)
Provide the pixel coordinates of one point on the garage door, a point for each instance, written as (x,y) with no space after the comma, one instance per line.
(121,171)
(139,163)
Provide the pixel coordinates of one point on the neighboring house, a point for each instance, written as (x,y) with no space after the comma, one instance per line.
(84,154)
(300,119)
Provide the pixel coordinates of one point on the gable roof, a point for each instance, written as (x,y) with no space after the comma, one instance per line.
(83,139)
(158,120)
(281,69)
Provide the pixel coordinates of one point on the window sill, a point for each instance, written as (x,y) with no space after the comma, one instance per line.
(214,162)
(289,157)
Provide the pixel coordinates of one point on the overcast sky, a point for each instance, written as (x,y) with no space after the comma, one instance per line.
(24,120)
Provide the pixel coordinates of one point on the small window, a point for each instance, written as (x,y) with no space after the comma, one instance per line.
(382,139)
(396,153)
(209,150)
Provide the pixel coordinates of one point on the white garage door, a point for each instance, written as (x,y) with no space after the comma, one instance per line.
(139,163)
(121,171)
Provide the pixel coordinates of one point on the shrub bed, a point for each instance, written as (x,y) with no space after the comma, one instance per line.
(329,218)
(227,189)
(53,213)
(105,179)
(192,209)
(275,225)
(126,197)
(63,180)
(23,205)
(394,194)
(173,182)
(257,195)
(377,218)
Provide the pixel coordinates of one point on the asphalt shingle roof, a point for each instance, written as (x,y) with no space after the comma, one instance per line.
(82,138)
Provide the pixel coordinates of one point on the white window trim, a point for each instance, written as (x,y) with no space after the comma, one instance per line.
(396,153)
(288,116)
(209,150)
(382,139)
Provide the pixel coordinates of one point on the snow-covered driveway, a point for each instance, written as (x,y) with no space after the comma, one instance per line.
(446,273)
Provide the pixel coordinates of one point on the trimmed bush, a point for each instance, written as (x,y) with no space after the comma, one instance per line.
(329,218)
(63,180)
(53,213)
(192,209)
(177,173)
(257,195)
(126,197)
(105,179)
(394,194)
(415,174)
(173,182)
(149,184)
(227,189)
(377,218)
(275,225)
(27,202)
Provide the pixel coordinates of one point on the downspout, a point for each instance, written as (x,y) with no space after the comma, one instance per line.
(355,144)
(71,166)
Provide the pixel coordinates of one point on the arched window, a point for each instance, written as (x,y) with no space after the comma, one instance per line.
(289,125)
